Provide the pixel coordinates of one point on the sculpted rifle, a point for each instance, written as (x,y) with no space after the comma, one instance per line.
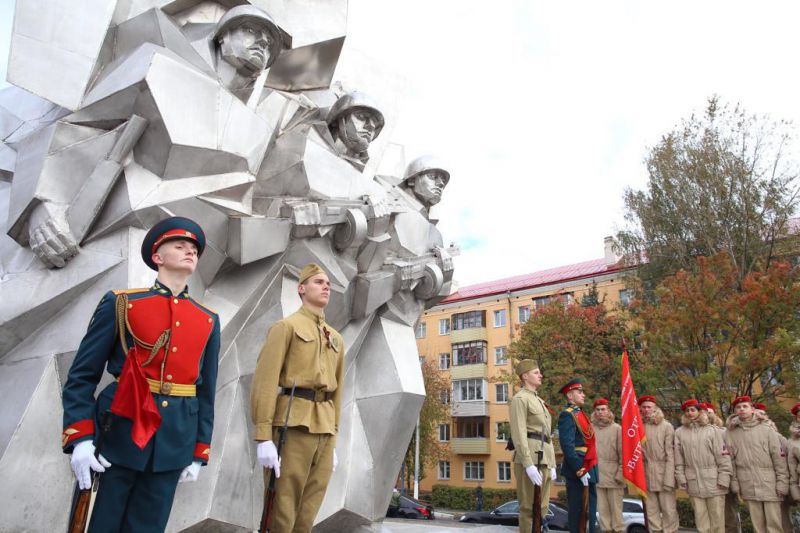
(269,494)
(82,498)
(537,492)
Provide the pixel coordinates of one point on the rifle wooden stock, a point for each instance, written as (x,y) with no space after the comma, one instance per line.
(584,510)
(536,526)
(269,494)
(82,498)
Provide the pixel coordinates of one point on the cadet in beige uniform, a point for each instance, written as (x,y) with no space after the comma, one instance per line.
(301,350)
(611,483)
(760,474)
(530,420)
(702,467)
(794,454)
(659,464)
(733,523)
(786,504)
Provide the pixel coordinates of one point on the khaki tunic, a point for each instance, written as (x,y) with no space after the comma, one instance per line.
(793,458)
(659,454)
(759,469)
(527,412)
(702,461)
(609,454)
(297,352)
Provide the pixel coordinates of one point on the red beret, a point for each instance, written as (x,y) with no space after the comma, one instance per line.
(760,406)
(741,399)
(796,408)
(600,401)
(708,405)
(646,398)
(690,403)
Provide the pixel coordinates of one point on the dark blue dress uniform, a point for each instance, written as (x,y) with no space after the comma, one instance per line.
(181,339)
(576,437)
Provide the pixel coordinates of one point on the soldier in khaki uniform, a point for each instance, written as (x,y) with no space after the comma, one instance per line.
(611,485)
(733,523)
(786,504)
(760,474)
(794,454)
(301,350)
(530,422)
(659,464)
(702,467)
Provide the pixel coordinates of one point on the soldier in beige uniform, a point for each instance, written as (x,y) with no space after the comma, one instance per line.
(733,523)
(301,350)
(611,483)
(659,464)
(530,423)
(702,467)
(794,454)
(760,474)
(786,504)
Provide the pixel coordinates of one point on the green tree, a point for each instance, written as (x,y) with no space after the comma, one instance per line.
(723,182)
(715,336)
(433,413)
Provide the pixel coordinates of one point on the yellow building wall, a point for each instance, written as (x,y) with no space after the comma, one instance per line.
(433,344)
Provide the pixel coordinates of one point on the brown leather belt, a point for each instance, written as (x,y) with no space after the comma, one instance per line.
(538,436)
(309,394)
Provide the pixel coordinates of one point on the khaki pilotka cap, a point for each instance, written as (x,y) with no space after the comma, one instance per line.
(309,271)
(526,365)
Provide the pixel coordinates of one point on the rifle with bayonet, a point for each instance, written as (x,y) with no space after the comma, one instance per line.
(82,498)
(536,527)
(269,494)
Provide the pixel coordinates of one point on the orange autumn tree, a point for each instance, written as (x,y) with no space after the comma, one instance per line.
(716,337)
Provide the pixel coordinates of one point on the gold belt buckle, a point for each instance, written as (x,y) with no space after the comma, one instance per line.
(166,388)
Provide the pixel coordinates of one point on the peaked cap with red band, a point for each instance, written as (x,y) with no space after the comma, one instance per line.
(647,398)
(741,399)
(690,403)
(571,385)
(170,229)
(600,401)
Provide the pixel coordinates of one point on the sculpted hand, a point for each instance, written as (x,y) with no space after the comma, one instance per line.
(553,474)
(190,473)
(50,237)
(534,475)
(83,462)
(335,461)
(268,456)
(585,479)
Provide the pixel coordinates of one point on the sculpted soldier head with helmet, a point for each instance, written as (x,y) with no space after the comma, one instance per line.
(426,177)
(354,122)
(249,41)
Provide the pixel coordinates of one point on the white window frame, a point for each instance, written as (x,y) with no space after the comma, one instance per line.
(503,467)
(421,331)
(445,394)
(446,465)
(448,359)
(446,428)
(446,329)
(523,313)
(501,351)
(477,465)
(499,318)
(473,386)
(497,431)
(500,386)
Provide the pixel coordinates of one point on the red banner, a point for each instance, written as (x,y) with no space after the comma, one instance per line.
(633,434)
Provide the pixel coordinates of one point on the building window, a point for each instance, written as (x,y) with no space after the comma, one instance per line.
(501,392)
(444,432)
(500,318)
(503,431)
(444,361)
(471,319)
(471,427)
(444,469)
(444,326)
(444,397)
(469,353)
(473,470)
(625,296)
(524,313)
(564,298)
(503,471)
(500,355)
(422,330)
(466,390)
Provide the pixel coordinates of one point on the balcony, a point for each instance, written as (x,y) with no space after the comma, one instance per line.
(469,334)
(470,408)
(479,370)
(471,446)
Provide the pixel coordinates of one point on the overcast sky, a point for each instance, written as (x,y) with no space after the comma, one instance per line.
(545,110)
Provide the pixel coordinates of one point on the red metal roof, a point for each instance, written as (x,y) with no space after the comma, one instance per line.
(534,279)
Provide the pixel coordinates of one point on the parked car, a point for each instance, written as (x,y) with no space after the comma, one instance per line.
(508,515)
(633,515)
(402,506)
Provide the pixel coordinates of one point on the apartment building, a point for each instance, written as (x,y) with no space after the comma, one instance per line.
(467,336)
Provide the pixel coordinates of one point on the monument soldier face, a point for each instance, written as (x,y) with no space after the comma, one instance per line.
(429,185)
(247,47)
(358,128)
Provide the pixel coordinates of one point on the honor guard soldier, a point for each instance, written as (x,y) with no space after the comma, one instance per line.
(611,485)
(531,424)
(576,434)
(304,352)
(162,347)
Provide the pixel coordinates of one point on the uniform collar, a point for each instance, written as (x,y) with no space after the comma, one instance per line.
(573,406)
(163,289)
(319,318)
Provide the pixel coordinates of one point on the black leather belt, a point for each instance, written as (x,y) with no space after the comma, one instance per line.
(538,436)
(309,394)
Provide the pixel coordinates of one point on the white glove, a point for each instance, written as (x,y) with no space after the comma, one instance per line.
(190,473)
(553,474)
(335,461)
(585,479)
(534,475)
(83,462)
(268,456)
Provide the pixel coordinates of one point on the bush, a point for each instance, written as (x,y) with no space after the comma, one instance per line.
(463,498)
(685,512)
